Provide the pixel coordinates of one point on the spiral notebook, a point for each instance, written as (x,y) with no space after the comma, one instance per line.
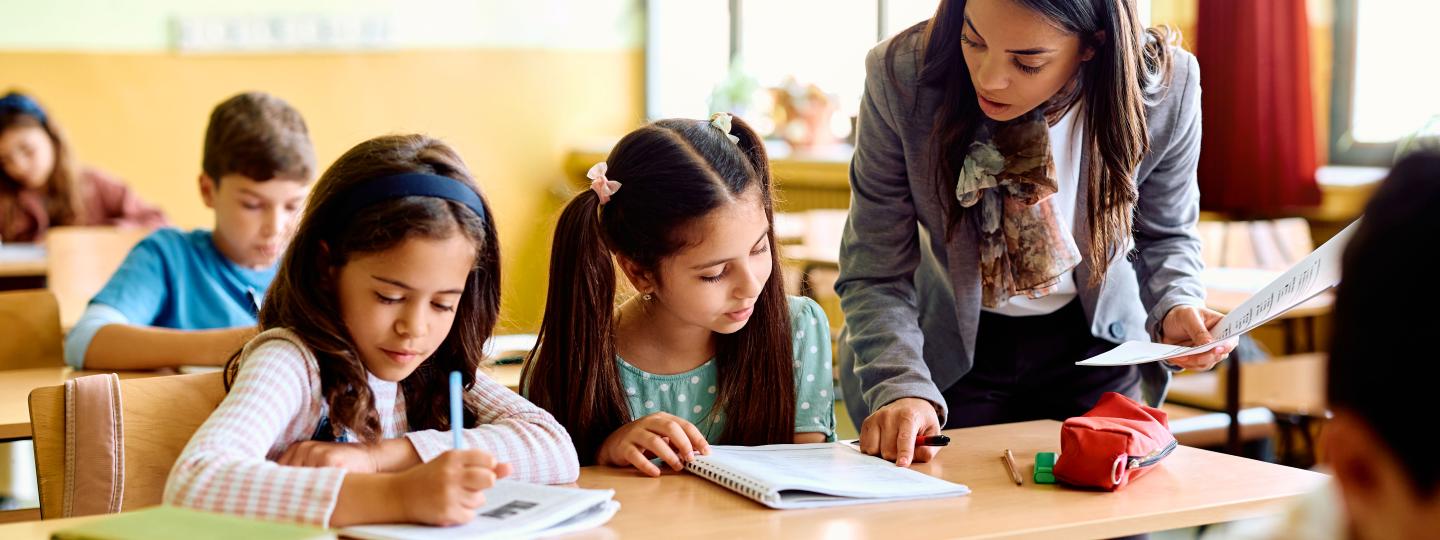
(788,476)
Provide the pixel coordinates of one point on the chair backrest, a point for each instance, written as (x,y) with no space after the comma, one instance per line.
(33,318)
(1273,245)
(81,262)
(158,416)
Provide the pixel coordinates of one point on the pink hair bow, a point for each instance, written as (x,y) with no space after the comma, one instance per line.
(602,186)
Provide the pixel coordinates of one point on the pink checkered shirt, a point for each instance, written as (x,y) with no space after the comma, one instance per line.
(276,401)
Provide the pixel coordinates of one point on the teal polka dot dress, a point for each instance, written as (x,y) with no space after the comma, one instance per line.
(691,395)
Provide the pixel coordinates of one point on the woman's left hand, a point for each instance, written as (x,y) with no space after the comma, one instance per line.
(1190,326)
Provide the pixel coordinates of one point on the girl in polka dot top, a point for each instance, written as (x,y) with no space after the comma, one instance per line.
(708,349)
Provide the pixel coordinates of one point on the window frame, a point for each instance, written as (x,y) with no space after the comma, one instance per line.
(1344,149)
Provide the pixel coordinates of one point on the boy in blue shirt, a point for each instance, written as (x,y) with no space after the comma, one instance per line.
(191,298)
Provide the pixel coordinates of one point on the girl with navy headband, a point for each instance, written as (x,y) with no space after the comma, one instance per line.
(41,185)
(392,281)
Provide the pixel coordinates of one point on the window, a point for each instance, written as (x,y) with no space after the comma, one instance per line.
(795,68)
(1385,87)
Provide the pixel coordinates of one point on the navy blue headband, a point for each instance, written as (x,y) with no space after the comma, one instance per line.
(21,103)
(409,185)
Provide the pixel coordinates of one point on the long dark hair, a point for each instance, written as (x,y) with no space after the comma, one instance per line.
(304,299)
(674,172)
(62,190)
(1130,67)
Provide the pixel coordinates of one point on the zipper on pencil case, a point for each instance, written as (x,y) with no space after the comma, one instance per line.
(1137,462)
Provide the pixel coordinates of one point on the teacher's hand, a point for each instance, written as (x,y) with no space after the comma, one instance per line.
(890,432)
(1191,326)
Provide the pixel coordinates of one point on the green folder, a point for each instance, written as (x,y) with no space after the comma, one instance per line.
(169,522)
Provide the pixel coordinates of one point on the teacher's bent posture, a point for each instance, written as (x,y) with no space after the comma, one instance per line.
(1023,197)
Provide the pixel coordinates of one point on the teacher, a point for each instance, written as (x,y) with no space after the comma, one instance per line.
(1023,197)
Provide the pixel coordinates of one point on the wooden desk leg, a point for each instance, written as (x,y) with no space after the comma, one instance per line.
(1310,340)
(1285,452)
(1308,436)
(1232,406)
(1290,331)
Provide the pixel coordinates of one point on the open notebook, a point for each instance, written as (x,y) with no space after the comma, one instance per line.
(814,475)
(513,510)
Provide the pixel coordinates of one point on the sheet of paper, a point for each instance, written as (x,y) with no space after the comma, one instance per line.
(1316,273)
(512,510)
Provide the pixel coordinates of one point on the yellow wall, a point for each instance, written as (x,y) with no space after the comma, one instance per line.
(512,113)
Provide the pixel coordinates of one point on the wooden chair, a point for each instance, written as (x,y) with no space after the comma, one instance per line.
(33,318)
(158,416)
(1274,245)
(1271,245)
(813,263)
(81,262)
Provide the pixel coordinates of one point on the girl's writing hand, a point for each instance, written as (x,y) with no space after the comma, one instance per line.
(450,488)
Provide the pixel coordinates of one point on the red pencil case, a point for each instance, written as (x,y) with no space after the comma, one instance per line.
(1118,441)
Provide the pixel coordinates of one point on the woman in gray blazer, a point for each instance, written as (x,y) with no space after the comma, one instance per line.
(1023,197)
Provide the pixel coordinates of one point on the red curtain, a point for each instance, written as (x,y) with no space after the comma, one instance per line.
(1257,157)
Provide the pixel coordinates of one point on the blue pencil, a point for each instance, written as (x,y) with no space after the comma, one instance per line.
(456,419)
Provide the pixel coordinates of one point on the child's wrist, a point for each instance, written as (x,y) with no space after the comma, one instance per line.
(397,499)
(398,505)
(393,455)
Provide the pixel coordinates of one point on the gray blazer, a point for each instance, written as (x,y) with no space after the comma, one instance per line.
(912,299)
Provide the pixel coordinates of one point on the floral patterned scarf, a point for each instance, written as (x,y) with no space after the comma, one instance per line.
(1010,176)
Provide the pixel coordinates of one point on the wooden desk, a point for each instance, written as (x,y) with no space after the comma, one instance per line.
(1291,387)
(1193,487)
(508,375)
(41,530)
(15,387)
(1288,385)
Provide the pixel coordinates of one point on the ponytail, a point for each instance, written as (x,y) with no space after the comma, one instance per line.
(753,148)
(572,371)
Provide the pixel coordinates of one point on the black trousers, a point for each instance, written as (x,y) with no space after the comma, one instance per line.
(1025,370)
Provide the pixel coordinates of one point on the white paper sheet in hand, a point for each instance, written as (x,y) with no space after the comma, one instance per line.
(1316,273)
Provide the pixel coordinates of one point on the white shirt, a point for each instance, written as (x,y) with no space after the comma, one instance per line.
(1065,138)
